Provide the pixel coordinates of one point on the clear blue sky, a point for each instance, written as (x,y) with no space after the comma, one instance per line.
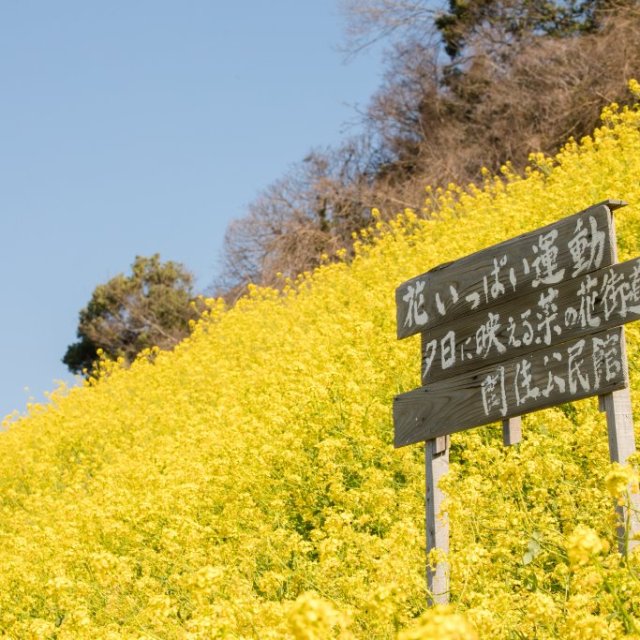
(134,127)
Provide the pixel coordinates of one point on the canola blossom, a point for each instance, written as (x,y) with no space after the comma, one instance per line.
(245,484)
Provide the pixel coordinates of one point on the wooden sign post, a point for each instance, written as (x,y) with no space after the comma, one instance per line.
(526,324)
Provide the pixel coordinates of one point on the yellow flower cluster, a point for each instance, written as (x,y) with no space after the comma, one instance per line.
(441,623)
(620,480)
(245,485)
(583,544)
(313,618)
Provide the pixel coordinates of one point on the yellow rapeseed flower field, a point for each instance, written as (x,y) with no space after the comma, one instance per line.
(245,485)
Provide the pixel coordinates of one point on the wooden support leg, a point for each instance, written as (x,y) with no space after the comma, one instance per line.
(621,445)
(437,523)
(512,431)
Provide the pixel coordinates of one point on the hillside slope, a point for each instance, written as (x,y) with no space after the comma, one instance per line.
(245,485)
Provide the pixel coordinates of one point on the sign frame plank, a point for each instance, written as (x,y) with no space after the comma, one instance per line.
(572,371)
(513,266)
(437,519)
(617,407)
(602,299)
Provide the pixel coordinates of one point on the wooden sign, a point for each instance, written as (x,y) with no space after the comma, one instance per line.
(572,370)
(566,249)
(529,323)
(572,309)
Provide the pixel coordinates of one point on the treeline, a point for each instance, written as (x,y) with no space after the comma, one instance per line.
(467,87)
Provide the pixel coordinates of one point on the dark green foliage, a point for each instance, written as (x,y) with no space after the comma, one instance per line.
(150,307)
(466,20)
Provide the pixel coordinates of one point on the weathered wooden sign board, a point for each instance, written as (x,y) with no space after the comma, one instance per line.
(526,324)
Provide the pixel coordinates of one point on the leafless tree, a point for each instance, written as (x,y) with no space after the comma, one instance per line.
(473,86)
(313,210)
